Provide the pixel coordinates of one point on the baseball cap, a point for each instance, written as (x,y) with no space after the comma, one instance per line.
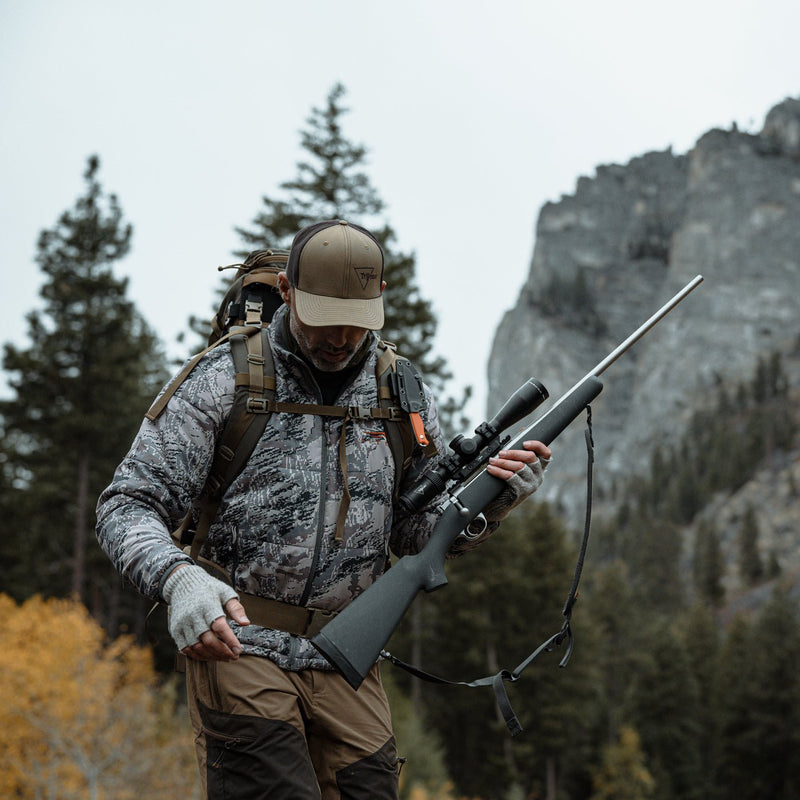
(336,269)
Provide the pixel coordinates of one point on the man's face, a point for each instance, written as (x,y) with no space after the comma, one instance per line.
(329,348)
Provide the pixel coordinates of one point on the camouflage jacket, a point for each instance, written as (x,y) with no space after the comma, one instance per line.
(274,531)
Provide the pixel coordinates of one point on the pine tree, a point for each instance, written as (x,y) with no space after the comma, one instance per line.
(331,184)
(655,562)
(751,567)
(617,619)
(776,706)
(759,696)
(80,389)
(702,639)
(665,703)
(500,603)
(738,741)
(708,563)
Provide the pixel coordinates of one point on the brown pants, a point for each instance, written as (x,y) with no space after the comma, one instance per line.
(263,732)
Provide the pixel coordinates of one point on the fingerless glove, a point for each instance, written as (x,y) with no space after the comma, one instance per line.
(519,486)
(195,600)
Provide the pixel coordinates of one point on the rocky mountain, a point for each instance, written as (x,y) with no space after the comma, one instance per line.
(613,252)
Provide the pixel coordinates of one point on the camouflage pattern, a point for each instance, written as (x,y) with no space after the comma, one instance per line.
(274,532)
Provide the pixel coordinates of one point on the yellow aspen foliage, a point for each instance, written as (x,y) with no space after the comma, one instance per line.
(623,774)
(421,792)
(82,718)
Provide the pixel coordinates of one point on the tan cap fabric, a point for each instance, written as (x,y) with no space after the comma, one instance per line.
(336,269)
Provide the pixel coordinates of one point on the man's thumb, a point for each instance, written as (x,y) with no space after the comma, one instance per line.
(235,610)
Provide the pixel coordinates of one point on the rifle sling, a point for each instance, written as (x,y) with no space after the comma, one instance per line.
(498,681)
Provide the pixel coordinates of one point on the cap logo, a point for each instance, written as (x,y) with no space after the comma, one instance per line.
(365,275)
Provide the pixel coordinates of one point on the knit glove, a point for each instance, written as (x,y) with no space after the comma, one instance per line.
(195,600)
(519,486)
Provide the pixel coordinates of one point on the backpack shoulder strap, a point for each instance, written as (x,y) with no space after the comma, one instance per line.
(249,414)
(255,385)
(160,403)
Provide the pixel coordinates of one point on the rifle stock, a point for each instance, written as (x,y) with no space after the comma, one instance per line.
(354,639)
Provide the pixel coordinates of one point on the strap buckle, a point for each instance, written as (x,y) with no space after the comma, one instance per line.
(253,312)
(395,414)
(257,405)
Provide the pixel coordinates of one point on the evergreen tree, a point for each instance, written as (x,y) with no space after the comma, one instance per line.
(738,740)
(499,605)
(776,707)
(708,564)
(617,619)
(751,567)
(331,184)
(654,558)
(702,640)
(80,389)
(759,751)
(665,703)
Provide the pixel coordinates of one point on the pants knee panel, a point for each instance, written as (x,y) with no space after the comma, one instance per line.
(248,757)
(371,778)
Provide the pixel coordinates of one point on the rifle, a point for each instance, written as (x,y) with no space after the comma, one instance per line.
(355,638)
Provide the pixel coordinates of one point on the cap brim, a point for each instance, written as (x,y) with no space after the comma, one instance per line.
(317,309)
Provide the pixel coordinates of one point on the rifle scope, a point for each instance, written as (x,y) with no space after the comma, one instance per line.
(471,452)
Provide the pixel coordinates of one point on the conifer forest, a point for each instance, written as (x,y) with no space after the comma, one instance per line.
(672,691)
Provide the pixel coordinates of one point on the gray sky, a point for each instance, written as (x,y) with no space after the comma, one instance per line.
(475,115)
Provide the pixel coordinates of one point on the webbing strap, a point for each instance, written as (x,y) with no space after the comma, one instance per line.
(275,614)
(498,681)
(255,362)
(243,379)
(298,620)
(160,403)
(239,435)
(265,406)
(387,357)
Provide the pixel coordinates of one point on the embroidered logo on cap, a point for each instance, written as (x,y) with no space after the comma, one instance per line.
(365,275)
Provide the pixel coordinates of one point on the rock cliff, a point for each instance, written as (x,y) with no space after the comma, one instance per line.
(609,255)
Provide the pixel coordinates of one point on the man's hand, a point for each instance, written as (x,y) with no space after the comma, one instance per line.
(524,472)
(198,604)
(508,462)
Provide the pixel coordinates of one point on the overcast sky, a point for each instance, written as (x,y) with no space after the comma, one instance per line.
(475,114)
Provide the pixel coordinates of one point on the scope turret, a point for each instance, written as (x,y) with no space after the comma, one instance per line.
(526,399)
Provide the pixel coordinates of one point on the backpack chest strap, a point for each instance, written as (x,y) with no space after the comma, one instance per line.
(263,405)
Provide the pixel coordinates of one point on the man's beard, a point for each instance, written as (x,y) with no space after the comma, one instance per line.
(313,353)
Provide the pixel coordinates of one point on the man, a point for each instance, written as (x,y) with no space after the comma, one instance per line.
(306,525)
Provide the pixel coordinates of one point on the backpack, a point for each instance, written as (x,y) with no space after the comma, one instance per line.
(242,318)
